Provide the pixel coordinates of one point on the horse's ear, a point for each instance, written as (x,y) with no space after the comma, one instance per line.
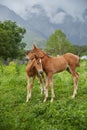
(34,46)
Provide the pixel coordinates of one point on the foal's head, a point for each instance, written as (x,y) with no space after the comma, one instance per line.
(34,61)
(29,55)
(35,53)
(38,65)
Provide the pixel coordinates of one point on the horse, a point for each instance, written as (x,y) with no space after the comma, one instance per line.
(52,65)
(33,69)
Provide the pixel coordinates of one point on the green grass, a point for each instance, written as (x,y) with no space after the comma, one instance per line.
(64,113)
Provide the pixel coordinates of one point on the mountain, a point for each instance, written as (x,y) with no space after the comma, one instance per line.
(31,36)
(75,29)
(40,25)
(40,21)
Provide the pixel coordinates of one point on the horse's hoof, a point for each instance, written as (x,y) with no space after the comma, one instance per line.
(73,96)
(45,100)
(51,100)
(27,100)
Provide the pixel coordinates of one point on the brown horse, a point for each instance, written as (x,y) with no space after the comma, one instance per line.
(33,69)
(58,64)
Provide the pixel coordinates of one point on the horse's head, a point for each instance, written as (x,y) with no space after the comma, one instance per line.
(38,65)
(37,52)
(29,56)
(34,61)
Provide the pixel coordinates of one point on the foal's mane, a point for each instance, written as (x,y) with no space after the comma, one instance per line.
(40,53)
(28,51)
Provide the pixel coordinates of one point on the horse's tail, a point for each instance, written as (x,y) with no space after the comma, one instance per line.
(78,61)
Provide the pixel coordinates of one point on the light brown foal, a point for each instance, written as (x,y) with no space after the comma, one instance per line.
(33,69)
(52,65)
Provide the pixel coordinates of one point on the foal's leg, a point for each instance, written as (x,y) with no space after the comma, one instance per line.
(46,90)
(75,79)
(29,87)
(49,82)
(51,86)
(42,84)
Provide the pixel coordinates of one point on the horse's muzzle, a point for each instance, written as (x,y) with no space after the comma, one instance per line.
(27,59)
(40,72)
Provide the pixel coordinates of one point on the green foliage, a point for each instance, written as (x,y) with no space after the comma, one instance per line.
(80,50)
(64,113)
(58,43)
(11,69)
(1,65)
(11,45)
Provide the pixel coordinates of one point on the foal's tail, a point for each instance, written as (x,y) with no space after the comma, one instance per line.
(78,61)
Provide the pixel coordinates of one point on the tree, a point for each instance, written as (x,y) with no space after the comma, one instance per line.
(58,43)
(80,50)
(11,45)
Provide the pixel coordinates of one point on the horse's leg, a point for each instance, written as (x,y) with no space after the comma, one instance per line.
(46,90)
(41,83)
(29,87)
(75,79)
(51,86)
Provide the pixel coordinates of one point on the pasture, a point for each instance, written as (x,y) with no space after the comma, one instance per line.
(64,113)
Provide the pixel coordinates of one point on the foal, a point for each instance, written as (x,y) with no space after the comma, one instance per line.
(33,69)
(52,65)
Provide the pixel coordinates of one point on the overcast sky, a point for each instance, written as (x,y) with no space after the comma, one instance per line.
(73,7)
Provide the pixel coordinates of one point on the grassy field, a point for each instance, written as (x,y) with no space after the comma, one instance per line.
(64,113)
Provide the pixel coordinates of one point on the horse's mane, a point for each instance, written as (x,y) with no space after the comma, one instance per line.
(28,51)
(40,53)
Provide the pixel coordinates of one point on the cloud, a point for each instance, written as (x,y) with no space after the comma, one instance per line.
(58,18)
(75,8)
